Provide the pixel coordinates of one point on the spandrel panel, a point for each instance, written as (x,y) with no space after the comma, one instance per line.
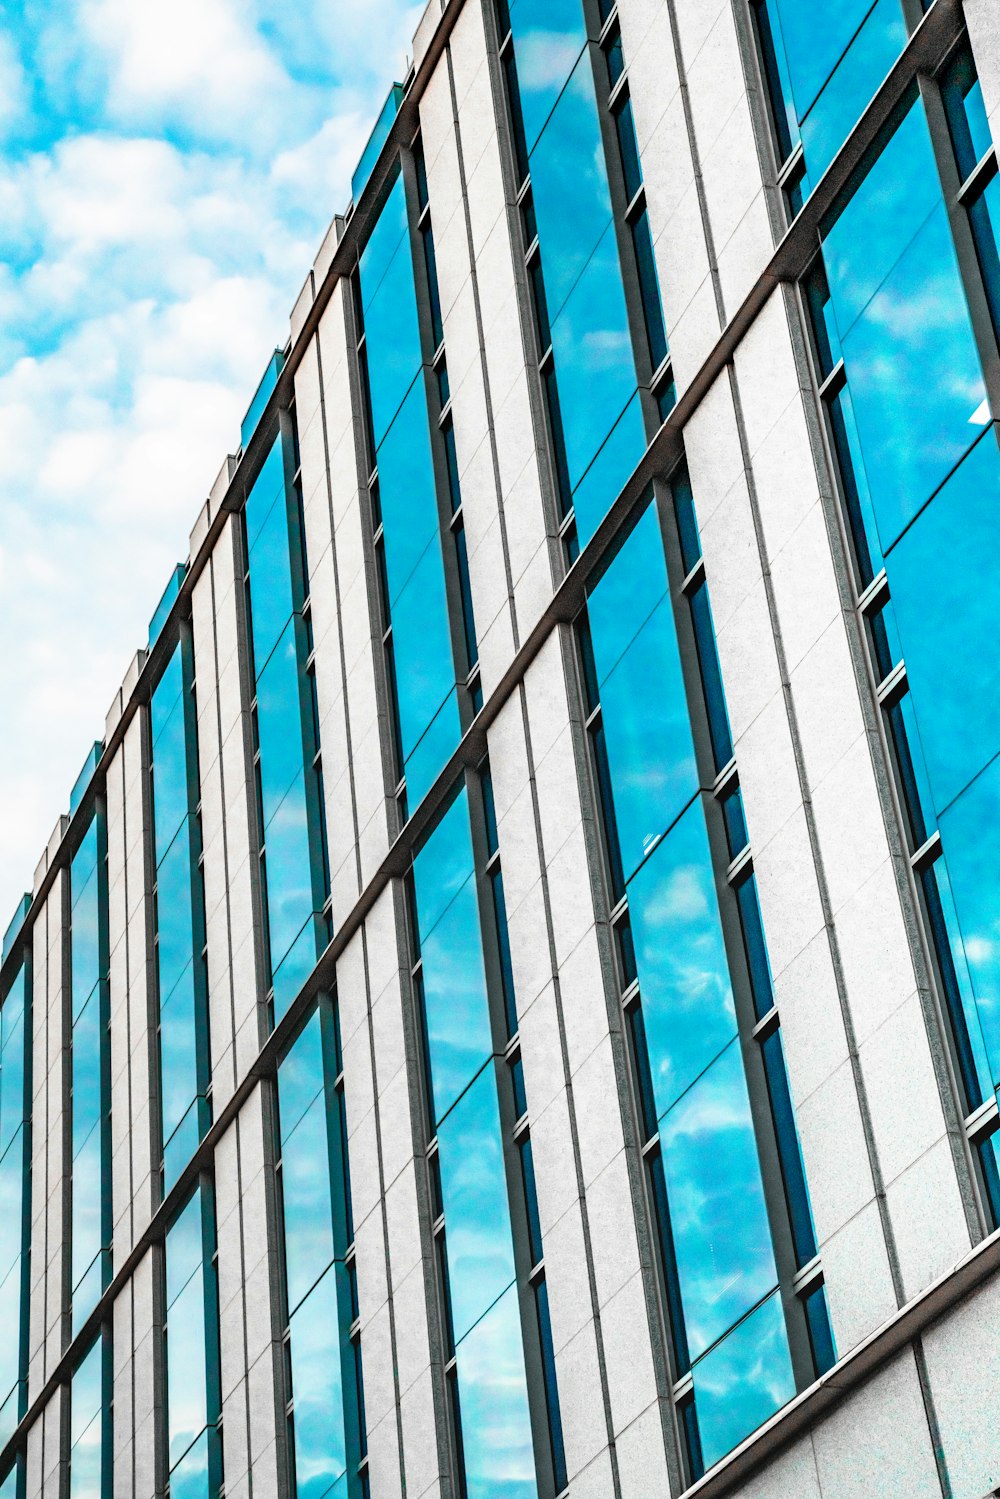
(687,1000)
(493,1396)
(722,1240)
(476,1212)
(945,580)
(570,187)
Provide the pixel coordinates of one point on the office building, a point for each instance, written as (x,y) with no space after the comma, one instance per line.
(513,1008)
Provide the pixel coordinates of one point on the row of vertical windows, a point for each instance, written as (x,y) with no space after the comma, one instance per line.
(743,1285)
(590,364)
(295,877)
(179,905)
(486,1228)
(920,481)
(90,1061)
(326,1410)
(418,523)
(15,1206)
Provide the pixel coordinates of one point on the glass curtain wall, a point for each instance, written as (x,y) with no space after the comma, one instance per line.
(822,65)
(295,876)
(179,905)
(326,1421)
(430,651)
(900,361)
(486,1228)
(90,1245)
(90,1423)
(725,1180)
(585,239)
(15,1197)
(191,1352)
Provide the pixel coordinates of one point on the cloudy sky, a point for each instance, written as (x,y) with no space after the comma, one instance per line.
(166,175)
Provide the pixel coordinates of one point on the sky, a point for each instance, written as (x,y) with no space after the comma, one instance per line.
(167,173)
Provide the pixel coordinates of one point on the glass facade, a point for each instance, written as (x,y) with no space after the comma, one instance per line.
(479,1159)
(179,905)
(821,67)
(15,1197)
(920,479)
(725,1179)
(90,1424)
(603,364)
(191,1351)
(327,1436)
(295,876)
(430,651)
(91,1071)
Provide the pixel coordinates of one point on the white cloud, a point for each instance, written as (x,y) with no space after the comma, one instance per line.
(151,245)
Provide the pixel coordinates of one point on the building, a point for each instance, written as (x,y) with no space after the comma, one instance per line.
(513,1008)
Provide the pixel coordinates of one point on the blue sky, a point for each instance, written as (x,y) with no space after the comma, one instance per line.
(166,175)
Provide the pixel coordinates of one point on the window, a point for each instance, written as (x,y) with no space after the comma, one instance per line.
(191,1350)
(179,905)
(701,1134)
(90,1423)
(325,1408)
(488,1243)
(295,877)
(90,1250)
(15,1193)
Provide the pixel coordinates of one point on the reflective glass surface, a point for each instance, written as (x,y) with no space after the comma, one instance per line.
(493,1398)
(947,629)
(455,1000)
(683,974)
(474,1192)
(87,1427)
(722,1241)
(90,1229)
(743,1381)
(549,36)
(192,1350)
(316,1215)
(15,1185)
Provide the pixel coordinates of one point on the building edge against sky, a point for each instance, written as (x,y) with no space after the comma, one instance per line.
(514,1006)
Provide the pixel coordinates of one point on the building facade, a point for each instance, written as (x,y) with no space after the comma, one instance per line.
(514,1008)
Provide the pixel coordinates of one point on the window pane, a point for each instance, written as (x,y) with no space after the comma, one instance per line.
(743,1381)
(496,1425)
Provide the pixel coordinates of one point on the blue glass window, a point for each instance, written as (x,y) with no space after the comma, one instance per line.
(15,1198)
(180,915)
(90,1070)
(327,1421)
(294,858)
(191,1339)
(90,1427)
